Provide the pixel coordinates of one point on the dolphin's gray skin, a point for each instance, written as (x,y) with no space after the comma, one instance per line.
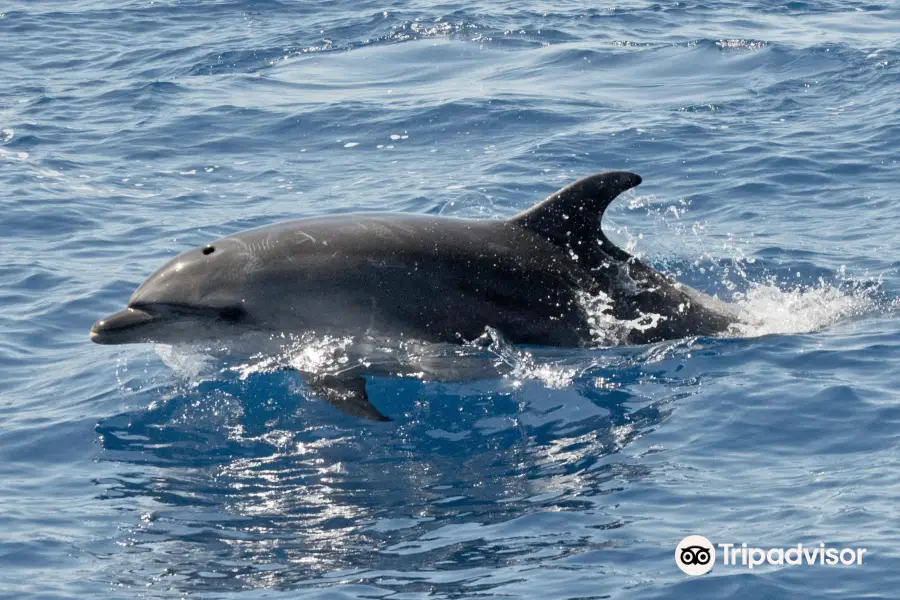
(418,277)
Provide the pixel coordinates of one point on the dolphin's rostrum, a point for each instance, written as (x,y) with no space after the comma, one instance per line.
(419,277)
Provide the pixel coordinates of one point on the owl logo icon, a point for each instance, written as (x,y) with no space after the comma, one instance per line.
(695,555)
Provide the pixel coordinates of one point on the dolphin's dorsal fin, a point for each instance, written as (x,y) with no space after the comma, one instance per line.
(571,216)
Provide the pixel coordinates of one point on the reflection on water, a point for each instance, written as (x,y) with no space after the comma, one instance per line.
(244,483)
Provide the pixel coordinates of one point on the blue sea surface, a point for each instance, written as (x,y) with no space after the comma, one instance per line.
(767,137)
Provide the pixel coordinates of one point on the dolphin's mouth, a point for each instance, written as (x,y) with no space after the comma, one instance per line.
(163,322)
(123,327)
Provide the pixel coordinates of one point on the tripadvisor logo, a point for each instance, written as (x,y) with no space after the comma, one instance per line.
(696,555)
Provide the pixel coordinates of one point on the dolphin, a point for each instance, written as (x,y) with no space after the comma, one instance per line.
(541,277)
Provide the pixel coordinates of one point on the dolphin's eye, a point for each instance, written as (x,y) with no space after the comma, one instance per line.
(232,314)
(209,250)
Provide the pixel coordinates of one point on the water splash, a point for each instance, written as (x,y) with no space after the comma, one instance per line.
(605,329)
(189,362)
(768,309)
(520,365)
(305,353)
(727,269)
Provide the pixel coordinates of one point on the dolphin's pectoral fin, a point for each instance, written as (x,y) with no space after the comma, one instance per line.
(570,217)
(347,394)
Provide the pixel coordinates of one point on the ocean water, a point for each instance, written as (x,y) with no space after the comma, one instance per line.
(767,136)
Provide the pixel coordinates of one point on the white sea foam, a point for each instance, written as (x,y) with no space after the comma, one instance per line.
(768,309)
